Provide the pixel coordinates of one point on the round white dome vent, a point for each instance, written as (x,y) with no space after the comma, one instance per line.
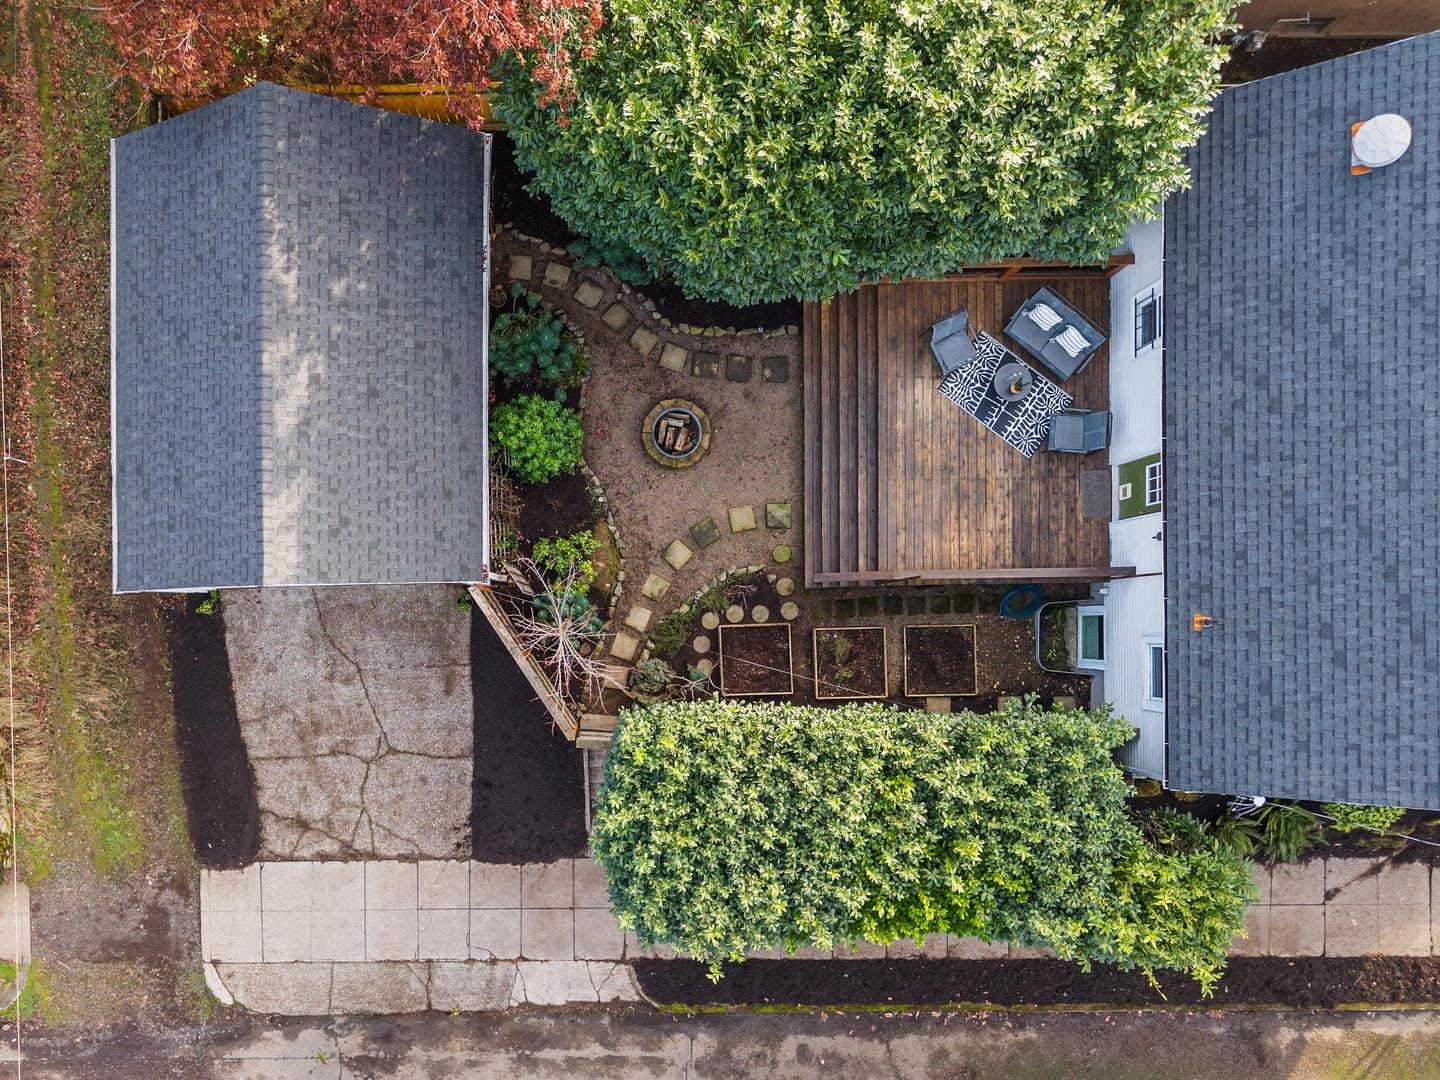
(1381,141)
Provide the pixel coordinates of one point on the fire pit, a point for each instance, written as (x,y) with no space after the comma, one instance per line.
(676,433)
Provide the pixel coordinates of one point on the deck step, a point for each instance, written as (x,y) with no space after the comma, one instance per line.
(593,740)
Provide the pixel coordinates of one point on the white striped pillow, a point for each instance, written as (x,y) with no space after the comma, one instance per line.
(1072,341)
(1043,316)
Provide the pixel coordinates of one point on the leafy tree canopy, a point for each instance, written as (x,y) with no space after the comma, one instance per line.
(199,49)
(728,827)
(762,149)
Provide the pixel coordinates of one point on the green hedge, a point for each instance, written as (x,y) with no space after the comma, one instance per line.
(762,149)
(727,827)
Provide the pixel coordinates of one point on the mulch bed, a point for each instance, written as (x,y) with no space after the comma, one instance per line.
(755,660)
(1318,982)
(1279,55)
(222,812)
(558,507)
(532,215)
(849,662)
(939,660)
(528,791)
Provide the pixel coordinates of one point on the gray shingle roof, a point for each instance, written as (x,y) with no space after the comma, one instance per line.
(299,312)
(1302,348)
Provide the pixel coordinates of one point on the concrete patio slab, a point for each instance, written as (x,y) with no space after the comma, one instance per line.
(337,935)
(471,987)
(337,886)
(494,933)
(1256,939)
(444,884)
(379,988)
(392,886)
(1403,883)
(285,936)
(591,888)
(1403,929)
(548,885)
(972,948)
(1351,929)
(392,935)
(1352,881)
(598,935)
(1298,883)
(494,885)
(444,934)
(287,886)
(1297,930)
(547,934)
(374,758)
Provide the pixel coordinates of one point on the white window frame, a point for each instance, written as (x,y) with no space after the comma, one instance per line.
(1081,613)
(1155,483)
(1144,296)
(1151,643)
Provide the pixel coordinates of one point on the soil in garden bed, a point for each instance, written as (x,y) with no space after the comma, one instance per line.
(559,507)
(528,791)
(939,660)
(532,215)
(755,659)
(850,662)
(222,811)
(1319,982)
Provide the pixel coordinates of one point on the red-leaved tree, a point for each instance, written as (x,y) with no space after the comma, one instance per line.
(195,50)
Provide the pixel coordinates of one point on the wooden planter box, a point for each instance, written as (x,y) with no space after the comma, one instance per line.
(829,689)
(732,661)
(925,674)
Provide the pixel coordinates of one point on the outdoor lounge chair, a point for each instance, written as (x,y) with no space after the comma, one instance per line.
(950,342)
(1055,333)
(1079,431)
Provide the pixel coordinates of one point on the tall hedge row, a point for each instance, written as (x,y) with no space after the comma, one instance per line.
(728,827)
(763,149)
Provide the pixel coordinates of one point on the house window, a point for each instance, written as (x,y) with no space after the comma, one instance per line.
(1155,674)
(1154,485)
(1091,650)
(1149,318)
(1139,487)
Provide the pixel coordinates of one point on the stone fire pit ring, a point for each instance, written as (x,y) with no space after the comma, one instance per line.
(676,433)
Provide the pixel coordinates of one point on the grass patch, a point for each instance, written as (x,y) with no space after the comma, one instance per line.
(35,998)
(77,666)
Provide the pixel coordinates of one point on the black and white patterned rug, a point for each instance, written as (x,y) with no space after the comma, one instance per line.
(1024,423)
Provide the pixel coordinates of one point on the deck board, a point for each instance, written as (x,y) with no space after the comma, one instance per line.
(906,481)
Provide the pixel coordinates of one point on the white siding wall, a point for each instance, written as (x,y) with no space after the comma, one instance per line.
(1135,607)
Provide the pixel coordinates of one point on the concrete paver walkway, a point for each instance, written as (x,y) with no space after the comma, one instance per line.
(312,938)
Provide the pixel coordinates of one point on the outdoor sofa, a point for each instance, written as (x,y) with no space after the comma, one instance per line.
(1055,333)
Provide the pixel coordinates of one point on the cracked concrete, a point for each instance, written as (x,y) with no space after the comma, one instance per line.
(355,706)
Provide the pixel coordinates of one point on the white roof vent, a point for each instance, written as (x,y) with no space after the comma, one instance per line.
(1379,141)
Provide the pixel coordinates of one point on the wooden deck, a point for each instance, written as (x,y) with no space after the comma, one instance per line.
(899,482)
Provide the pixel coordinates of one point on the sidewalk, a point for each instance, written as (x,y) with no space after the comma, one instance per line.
(314,938)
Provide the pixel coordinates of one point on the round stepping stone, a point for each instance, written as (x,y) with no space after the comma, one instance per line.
(785,586)
(701,644)
(709,620)
(734,613)
(760,613)
(707,666)
(789,610)
(781,553)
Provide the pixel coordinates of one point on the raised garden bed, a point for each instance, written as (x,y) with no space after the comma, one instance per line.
(850,662)
(940,661)
(755,660)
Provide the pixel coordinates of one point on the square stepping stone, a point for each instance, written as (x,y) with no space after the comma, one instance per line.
(655,587)
(677,554)
(589,294)
(742,518)
(557,275)
(520,267)
(705,365)
(705,533)
(638,618)
(617,316)
(777,515)
(937,704)
(624,647)
(643,340)
(673,357)
(775,369)
(737,369)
